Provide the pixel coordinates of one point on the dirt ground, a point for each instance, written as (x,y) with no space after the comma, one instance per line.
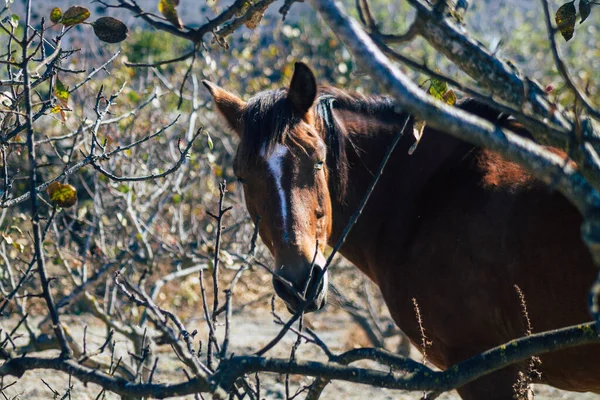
(252,327)
(251,330)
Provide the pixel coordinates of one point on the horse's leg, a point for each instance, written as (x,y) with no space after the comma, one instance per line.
(495,386)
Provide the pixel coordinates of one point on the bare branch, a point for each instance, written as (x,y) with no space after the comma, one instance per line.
(37,235)
(544,165)
(562,67)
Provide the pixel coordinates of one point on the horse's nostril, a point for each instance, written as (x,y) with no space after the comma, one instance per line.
(315,283)
(320,213)
(308,293)
(285,291)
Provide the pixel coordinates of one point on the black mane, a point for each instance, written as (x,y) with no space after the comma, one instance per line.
(267,120)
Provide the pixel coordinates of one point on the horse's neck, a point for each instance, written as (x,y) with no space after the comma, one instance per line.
(398,188)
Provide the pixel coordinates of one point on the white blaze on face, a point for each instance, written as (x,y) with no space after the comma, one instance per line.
(275,165)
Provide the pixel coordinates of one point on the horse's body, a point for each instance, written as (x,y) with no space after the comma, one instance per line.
(453,226)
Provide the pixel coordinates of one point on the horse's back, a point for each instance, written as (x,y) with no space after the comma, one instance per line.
(483,225)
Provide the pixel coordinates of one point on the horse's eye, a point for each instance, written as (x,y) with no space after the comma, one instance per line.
(319,165)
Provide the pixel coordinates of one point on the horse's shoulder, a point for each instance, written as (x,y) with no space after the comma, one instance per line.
(498,172)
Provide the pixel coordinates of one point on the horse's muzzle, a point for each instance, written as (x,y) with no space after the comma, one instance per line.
(312,295)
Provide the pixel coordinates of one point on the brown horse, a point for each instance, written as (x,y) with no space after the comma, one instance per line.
(452,225)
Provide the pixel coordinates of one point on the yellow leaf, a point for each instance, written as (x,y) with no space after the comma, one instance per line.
(439,90)
(55,15)
(449,97)
(61,92)
(19,246)
(167,8)
(62,194)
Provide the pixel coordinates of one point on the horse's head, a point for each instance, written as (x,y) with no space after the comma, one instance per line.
(281,164)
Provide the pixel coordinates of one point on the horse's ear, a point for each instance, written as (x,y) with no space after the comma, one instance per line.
(303,88)
(229,105)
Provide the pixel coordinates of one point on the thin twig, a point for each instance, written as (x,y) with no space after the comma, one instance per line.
(37,236)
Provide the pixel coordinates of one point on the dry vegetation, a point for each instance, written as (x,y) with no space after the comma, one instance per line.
(132,282)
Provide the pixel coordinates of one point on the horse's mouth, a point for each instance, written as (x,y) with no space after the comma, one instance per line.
(315,305)
(311,297)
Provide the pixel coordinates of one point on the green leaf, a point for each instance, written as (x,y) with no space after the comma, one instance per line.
(209,140)
(56,15)
(110,30)
(167,9)
(75,15)
(14,20)
(62,194)
(123,188)
(566,16)
(61,92)
(585,8)
(438,88)
(133,96)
